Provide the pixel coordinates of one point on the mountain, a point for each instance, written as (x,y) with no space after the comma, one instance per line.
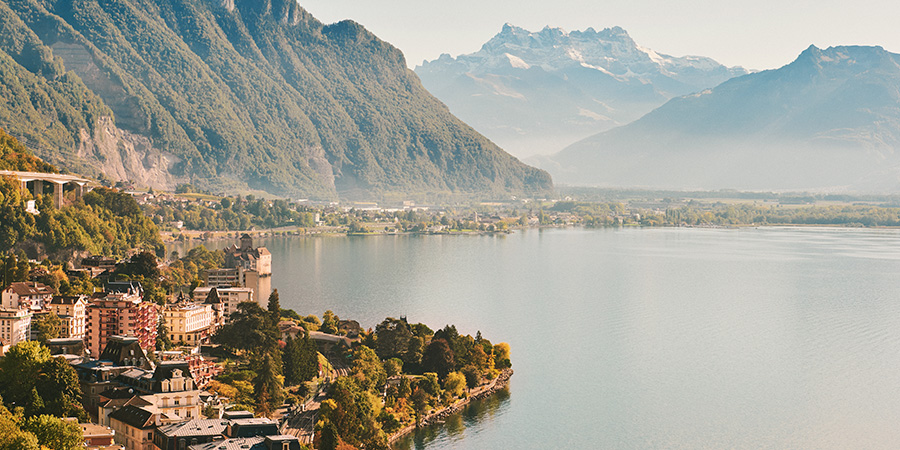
(830,120)
(234,95)
(536,92)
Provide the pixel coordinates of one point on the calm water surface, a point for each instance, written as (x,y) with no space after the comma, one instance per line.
(641,338)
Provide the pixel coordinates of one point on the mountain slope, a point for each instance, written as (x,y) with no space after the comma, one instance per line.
(242,94)
(536,92)
(829,120)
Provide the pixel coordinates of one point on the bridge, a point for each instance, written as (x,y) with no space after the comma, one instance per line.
(40,180)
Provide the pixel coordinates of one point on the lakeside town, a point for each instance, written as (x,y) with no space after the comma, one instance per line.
(193,369)
(110,343)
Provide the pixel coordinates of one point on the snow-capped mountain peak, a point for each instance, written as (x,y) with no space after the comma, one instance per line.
(565,82)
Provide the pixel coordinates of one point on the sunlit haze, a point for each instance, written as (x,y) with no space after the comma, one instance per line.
(760,34)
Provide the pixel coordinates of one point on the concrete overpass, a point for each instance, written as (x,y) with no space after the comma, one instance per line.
(39,180)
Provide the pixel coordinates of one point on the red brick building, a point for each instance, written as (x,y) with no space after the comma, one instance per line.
(120,314)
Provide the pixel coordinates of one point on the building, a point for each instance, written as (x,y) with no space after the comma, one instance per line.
(178,436)
(203,370)
(120,314)
(15,325)
(227,298)
(249,267)
(96,377)
(275,442)
(114,399)
(222,278)
(189,323)
(99,437)
(28,295)
(66,346)
(133,427)
(170,388)
(252,426)
(98,263)
(248,258)
(72,310)
(125,351)
(255,433)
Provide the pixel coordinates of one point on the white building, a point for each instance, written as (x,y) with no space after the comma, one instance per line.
(190,323)
(73,312)
(229,297)
(15,325)
(30,295)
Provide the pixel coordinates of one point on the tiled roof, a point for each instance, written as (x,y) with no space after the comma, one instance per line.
(133,416)
(196,427)
(254,443)
(29,289)
(165,368)
(67,299)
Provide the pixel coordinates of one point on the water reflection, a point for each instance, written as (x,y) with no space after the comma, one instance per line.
(470,420)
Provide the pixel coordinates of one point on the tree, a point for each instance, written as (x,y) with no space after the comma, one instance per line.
(420,401)
(501,356)
(392,338)
(455,384)
(412,359)
(301,361)
(473,376)
(393,367)
(47,326)
(163,342)
(328,435)
(60,390)
(31,378)
(438,358)
(367,369)
(12,437)
(429,382)
(274,307)
(329,322)
(18,225)
(269,384)
(15,269)
(250,329)
(53,432)
(143,264)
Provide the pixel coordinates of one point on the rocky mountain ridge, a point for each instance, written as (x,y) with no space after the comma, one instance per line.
(533,92)
(235,95)
(828,121)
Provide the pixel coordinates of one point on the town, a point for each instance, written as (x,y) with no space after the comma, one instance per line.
(188,370)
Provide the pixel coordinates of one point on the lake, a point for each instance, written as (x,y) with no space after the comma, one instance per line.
(661,338)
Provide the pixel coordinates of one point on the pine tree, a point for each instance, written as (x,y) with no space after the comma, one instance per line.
(269,384)
(274,307)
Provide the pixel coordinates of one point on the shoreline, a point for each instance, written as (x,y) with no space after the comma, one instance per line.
(440,415)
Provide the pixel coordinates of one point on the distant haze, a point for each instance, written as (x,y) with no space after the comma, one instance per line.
(763,34)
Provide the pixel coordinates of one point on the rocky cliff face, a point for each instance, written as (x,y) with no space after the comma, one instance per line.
(235,95)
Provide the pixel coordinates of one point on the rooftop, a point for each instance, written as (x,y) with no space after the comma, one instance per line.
(133,416)
(196,427)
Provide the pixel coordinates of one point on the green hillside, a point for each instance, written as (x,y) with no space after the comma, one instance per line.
(106,222)
(233,95)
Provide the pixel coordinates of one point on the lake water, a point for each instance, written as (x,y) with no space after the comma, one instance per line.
(640,338)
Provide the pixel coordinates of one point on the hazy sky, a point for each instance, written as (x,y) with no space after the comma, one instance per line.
(756,34)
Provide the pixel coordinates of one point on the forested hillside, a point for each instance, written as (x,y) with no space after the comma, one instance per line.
(106,222)
(231,95)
